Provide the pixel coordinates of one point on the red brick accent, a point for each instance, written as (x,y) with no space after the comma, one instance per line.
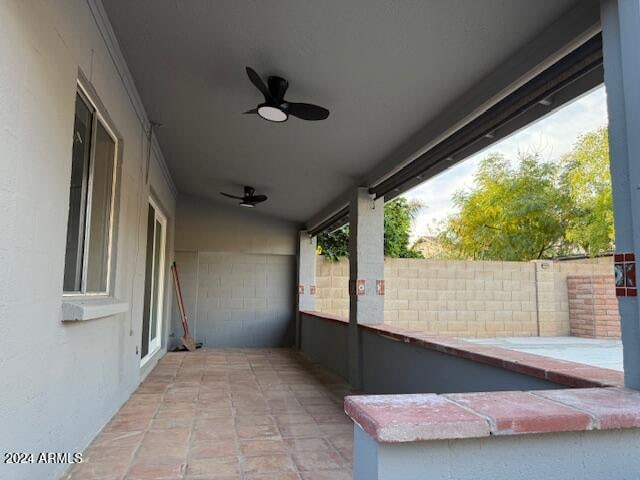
(412,418)
(610,407)
(593,306)
(521,412)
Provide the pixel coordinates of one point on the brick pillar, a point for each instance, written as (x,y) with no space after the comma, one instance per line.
(593,307)
(621,37)
(366,272)
(306,278)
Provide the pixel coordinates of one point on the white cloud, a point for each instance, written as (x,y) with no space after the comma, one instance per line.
(552,136)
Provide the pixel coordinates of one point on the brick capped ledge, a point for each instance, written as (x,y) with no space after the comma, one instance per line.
(423,417)
(569,374)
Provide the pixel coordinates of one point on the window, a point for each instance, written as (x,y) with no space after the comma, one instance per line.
(91,200)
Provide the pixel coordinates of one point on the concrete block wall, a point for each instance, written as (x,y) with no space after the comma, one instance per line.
(466,298)
(461,298)
(593,306)
(245,300)
(238,274)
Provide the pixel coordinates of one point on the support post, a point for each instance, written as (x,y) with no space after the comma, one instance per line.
(621,37)
(306,279)
(366,272)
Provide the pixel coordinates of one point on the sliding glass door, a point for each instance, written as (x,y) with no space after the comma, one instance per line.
(152,319)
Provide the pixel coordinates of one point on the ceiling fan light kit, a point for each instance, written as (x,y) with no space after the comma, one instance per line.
(275,108)
(249,199)
(271,113)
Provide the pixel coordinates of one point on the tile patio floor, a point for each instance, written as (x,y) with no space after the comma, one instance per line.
(227,414)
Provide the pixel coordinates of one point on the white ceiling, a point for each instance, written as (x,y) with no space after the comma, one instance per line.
(383,68)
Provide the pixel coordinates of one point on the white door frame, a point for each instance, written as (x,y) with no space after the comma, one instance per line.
(155,343)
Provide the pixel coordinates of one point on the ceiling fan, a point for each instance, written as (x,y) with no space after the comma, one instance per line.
(249,199)
(275,108)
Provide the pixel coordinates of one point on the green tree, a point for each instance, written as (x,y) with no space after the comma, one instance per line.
(511,213)
(536,209)
(334,245)
(587,180)
(398,216)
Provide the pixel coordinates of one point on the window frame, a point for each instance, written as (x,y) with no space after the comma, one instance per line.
(98,115)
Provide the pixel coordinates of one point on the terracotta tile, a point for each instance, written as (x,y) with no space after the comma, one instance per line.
(142,471)
(252,410)
(162,453)
(171,422)
(213,412)
(294,419)
(327,475)
(178,435)
(212,448)
(521,412)
(124,424)
(331,418)
(347,454)
(268,464)
(99,471)
(263,447)
(316,400)
(118,439)
(273,476)
(212,467)
(341,440)
(221,431)
(110,454)
(257,431)
(213,423)
(324,409)
(336,428)
(318,460)
(214,477)
(301,430)
(254,420)
(308,444)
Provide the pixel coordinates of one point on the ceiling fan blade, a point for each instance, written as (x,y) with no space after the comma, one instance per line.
(306,111)
(277,88)
(259,84)
(253,110)
(258,199)
(231,196)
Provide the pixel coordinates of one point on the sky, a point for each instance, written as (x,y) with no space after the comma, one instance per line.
(550,137)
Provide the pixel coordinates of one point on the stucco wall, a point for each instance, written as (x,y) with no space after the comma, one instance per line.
(594,455)
(63,382)
(207,226)
(237,270)
(325,343)
(384,362)
(466,298)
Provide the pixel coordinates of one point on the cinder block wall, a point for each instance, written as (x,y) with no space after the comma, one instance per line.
(466,298)
(238,275)
(593,306)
